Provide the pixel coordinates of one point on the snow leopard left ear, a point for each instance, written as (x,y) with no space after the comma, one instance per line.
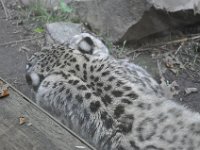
(86,45)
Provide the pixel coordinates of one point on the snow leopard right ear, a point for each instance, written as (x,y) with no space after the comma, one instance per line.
(86,45)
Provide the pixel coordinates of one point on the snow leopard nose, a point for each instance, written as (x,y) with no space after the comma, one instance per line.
(34,79)
(28,79)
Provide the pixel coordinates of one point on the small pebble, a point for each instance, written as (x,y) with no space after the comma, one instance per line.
(190,90)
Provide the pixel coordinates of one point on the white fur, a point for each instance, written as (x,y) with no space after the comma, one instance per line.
(27,67)
(156,122)
(84,46)
(35,79)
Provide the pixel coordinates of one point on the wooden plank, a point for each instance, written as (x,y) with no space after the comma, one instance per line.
(40,131)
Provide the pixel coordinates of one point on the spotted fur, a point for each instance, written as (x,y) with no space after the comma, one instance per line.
(113,104)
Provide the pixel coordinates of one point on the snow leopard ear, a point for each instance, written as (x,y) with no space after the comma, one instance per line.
(86,45)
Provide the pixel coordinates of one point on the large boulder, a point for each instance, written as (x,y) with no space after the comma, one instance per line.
(49,4)
(131,20)
(46,3)
(61,32)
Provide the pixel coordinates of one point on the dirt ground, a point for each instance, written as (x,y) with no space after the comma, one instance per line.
(175,65)
(14,53)
(15,47)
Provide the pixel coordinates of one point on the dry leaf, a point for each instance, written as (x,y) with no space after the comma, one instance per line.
(4,93)
(22,120)
(169,65)
(172,61)
(3,89)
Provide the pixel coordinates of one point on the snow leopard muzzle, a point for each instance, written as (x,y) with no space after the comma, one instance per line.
(34,79)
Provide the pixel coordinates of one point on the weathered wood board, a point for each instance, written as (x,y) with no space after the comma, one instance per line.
(40,130)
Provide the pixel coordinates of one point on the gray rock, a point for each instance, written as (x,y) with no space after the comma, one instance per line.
(49,4)
(178,5)
(46,3)
(131,20)
(134,19)
(61,32)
